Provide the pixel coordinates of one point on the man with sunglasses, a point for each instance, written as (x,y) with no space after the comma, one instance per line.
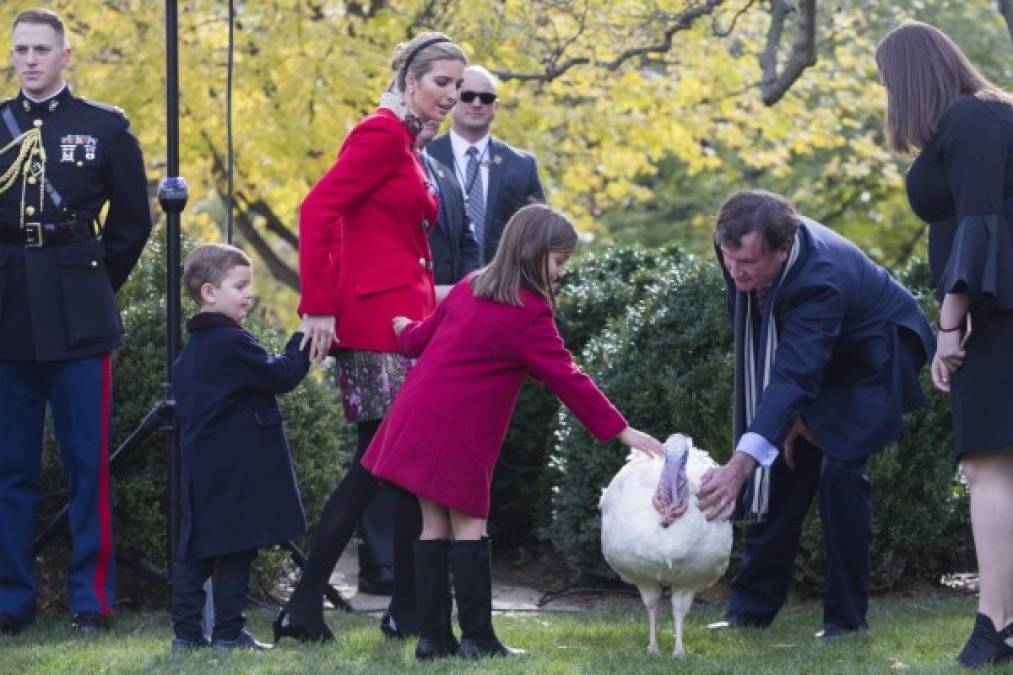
(496,178)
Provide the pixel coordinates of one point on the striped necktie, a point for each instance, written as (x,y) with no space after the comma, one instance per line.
(476,196)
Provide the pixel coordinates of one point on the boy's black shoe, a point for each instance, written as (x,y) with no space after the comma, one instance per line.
(986,646)
(89,622)
(181,645)
(244,641)
(11,625)
(376,580)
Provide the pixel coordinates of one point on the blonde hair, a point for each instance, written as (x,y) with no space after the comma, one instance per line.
(522,258)
(422,62)
(924,72)
(208,264)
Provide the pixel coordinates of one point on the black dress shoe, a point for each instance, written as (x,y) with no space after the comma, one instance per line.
(832,630)
(11,625)
(183,645)
(377,580)
(473,648)
(244,641)
(739,621)
(284,626)
(89,622)
(986,646)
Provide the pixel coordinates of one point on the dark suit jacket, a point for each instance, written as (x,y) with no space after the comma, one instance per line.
(513,183)
(851,343)
(238,487)
(451,241)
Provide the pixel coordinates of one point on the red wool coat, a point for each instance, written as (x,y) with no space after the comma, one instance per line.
(363,250)
(442,435)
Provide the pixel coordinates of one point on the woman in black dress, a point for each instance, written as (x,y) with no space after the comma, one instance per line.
(961,183)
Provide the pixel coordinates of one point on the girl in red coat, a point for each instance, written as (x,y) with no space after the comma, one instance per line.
(363,259)
(443,433)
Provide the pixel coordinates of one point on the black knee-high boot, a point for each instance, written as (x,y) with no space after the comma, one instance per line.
(432,584)
(401,618)
(473,589)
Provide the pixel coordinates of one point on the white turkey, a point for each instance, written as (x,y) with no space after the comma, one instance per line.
(688,554)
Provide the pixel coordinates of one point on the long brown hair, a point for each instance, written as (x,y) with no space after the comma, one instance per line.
(522,258)
(924,72)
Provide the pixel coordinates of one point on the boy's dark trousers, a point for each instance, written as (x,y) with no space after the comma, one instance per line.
(231,583)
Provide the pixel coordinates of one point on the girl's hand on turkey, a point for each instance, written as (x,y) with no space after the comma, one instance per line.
(645,443)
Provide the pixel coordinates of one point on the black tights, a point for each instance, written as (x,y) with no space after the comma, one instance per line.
(338,520)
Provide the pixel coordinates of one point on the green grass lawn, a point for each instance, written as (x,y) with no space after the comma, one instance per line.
(907,635)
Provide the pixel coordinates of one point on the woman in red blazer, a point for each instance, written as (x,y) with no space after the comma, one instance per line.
(443,434)
(364,258)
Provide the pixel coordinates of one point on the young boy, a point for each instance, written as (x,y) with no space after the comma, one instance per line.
(238,487)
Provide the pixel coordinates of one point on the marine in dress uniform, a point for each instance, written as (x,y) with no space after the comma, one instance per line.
(61,264)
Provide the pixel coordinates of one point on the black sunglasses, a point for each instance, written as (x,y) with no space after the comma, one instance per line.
(486,97)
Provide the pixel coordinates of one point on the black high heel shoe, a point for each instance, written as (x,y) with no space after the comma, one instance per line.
(986,646)
(283,626)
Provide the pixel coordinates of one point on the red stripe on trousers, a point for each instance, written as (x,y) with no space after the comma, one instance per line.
(105,528)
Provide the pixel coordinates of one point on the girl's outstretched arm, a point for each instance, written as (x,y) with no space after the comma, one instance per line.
(548,360)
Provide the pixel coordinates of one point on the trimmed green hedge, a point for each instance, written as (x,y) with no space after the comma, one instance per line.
(313,423)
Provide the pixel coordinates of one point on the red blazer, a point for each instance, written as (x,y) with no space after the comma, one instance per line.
(363,250)
(443,434)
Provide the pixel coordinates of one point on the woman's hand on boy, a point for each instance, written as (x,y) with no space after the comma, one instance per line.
(399,323)
(318,332)
(646,443)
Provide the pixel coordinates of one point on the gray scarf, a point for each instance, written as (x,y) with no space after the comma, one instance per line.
(754,499)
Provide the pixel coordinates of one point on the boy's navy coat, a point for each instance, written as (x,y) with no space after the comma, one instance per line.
(239,489)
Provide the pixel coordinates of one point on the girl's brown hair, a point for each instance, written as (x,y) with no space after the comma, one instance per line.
(924,72)
(522,258)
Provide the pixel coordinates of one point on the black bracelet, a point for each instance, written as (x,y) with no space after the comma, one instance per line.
(946,330)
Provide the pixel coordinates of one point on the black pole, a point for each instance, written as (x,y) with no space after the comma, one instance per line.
(172,195)
(229,201)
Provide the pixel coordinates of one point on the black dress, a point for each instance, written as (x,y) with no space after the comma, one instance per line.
(962,185)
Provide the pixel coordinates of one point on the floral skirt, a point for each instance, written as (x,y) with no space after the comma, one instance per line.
(369,381)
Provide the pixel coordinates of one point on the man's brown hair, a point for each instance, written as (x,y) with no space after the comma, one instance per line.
(208,264)
(924,72)
(43,16)
(772,215)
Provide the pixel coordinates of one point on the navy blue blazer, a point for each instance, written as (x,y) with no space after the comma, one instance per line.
(851,343)
(513,183)
(238,485)
(452,241)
